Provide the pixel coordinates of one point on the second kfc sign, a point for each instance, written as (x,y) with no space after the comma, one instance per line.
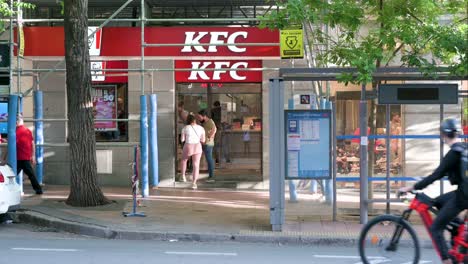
(218,71)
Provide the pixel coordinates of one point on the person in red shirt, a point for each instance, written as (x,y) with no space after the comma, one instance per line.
(465,129)
(25,153)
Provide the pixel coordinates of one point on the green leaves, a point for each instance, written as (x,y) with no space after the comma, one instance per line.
(377,33)
(7,11)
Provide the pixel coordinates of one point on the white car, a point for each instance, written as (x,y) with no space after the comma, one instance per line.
(10,191)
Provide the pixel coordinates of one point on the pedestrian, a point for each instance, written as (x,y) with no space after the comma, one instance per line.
(216,113)
(182,115)
(246,140)
(210,132)
(465,129)
(25,153)
(226,142)
(193,136)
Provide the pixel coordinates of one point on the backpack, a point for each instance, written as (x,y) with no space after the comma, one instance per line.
(463,149)
(464,162)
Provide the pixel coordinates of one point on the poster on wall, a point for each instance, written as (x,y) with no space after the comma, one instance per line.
(3,115)
(105,107)
(308,140)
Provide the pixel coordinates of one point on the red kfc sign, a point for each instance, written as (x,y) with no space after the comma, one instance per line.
(218,71)
(126,41)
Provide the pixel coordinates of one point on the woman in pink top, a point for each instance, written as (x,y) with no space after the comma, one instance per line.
(193,135)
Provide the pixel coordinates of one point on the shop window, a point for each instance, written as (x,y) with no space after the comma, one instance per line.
(110,102)
(347,121)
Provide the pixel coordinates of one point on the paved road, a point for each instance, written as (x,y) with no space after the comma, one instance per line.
(22,244)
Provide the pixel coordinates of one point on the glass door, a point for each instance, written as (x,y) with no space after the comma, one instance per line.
(236,110)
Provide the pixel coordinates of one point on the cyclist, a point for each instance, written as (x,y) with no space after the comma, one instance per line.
(452,203)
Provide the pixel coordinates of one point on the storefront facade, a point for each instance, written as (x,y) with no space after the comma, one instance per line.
(198,75)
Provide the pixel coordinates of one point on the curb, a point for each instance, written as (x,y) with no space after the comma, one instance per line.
(86,229)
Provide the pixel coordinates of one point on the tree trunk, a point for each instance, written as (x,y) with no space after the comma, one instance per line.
(84,190)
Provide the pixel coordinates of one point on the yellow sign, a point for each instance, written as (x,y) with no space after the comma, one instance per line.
(291,43)
(21,41)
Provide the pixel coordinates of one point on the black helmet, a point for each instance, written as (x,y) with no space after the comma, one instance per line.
(450,127)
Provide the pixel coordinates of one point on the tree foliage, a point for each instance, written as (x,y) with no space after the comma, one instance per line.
(377,33)
(7,11)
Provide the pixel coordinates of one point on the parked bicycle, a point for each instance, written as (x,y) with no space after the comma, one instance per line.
(392,239)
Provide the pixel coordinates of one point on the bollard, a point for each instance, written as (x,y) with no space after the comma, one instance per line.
(12,113)
(153,141)
(144,145)
(39,134)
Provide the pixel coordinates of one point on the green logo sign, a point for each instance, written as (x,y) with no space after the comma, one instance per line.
(291,43)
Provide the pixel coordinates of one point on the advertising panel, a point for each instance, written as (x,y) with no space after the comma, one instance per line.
(308,144)
(105,107)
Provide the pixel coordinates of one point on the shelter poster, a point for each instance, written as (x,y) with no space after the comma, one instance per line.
(308,144)
(105,107)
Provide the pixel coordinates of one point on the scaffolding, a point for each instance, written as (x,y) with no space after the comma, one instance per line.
(314,74)
(146,147)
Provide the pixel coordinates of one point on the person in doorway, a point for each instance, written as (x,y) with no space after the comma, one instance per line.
(182,115)
(25,153)
(244,108)
(216,116)
(121,114)
(246,140)
(210,132)
(193,136)
(226,142)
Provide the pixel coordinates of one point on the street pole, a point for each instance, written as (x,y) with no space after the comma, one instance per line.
(363,157)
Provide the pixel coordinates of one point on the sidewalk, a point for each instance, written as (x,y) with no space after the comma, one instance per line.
(200,215)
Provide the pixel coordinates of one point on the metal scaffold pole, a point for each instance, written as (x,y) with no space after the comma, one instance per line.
(363,157)
(143,112)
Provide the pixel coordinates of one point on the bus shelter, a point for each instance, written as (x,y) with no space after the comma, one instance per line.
(278,130)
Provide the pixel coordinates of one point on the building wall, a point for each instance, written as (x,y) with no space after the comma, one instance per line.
(266,122)
(57,158)
(56,168)
(420,156)
(164,87)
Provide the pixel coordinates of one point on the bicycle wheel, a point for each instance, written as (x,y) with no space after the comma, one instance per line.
(388,239)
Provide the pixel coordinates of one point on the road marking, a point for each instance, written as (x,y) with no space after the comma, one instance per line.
(345,257)
(47,249)
(383,260)
(420,262)
(201,253)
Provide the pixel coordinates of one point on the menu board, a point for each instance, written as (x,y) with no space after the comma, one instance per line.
(105,107)
(308,144)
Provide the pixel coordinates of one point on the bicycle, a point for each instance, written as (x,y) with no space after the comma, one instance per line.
(383,245)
